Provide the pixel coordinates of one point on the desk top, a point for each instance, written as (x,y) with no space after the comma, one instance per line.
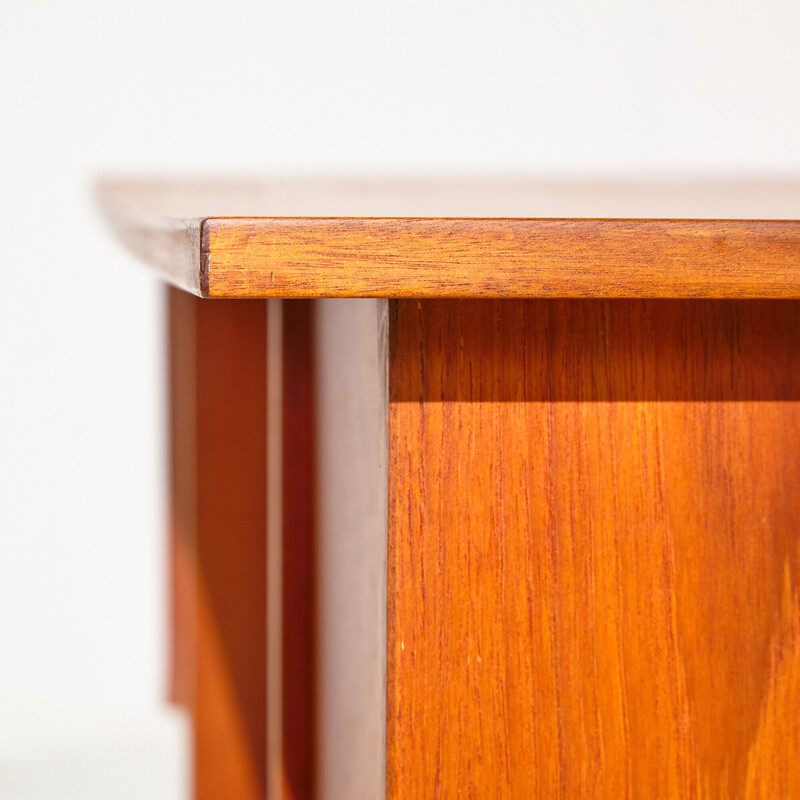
(483,237)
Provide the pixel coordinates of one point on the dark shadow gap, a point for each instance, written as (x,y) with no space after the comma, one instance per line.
(590,350)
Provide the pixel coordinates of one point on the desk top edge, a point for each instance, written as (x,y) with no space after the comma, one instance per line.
(318,235)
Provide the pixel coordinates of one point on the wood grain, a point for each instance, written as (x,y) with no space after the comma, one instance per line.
(594,549)
(499,258)
(218,511)
(464,237)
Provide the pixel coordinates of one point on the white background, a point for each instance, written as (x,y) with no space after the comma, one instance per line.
(93,87)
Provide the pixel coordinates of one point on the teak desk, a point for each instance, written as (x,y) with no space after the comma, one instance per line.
(522,521)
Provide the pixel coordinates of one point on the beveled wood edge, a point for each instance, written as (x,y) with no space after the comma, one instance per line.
(171,245)
(398,257)
(181,252)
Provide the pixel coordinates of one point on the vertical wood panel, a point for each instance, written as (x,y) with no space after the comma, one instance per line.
(594,549)
(218,463)
(352,513)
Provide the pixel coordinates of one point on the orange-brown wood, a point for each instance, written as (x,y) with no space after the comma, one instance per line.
(218,402)
(465,238)
(499,258)
(594,549)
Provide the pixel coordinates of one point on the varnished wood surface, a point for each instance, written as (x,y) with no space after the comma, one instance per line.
(500,258)
(465,238)
(218,499)
(594,549)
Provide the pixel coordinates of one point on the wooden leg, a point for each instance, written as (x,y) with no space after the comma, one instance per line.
(219,400)
(218,509)
(594,549)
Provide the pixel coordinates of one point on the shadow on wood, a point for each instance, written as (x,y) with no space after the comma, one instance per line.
(594,549)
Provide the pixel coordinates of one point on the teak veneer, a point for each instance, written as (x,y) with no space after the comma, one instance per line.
(516,515)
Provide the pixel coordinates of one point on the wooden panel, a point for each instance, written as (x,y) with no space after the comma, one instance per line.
(499,258)
(464,238)
(594,546)
(218,402)
(352,517)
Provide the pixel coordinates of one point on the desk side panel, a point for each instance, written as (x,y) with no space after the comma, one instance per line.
(594,549)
